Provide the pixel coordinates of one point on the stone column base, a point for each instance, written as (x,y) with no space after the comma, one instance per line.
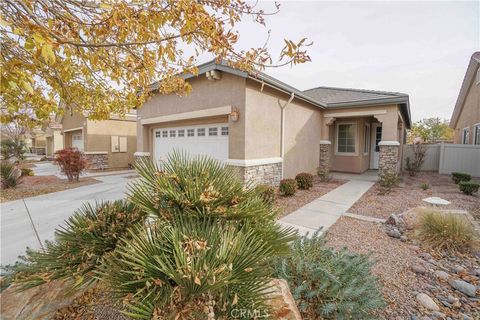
(324,159)
(141,155)
(388,158)
(96,160)
(258,171)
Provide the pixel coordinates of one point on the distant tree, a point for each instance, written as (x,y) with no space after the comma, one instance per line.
(13,141)
(431,130)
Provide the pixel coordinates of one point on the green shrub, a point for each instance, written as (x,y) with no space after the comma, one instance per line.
(329,284)
(267,192)
(468,187)
(304,180)
(288,187)
(458,176)
(26,172)
(424,186)
(387,181)
(449,232)
(91,235)
(324,175)
(10,175)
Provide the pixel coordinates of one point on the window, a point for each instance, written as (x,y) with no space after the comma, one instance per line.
(157,134)
(118,144)
(478,77)
(224,131)
(190,132)
(477,134)
(378,138)
(201,132)
(212,131)
(366,146)
(181,133)
(172,133)
(346,133)
(465,135)
(164,134)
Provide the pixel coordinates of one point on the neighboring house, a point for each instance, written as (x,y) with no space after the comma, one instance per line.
(466,115)
(54,138)
(106,144)
(36,141)
(270,130)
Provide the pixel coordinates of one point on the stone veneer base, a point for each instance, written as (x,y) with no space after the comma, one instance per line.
(270,174)
(324,160)
(388,159)
(97,160)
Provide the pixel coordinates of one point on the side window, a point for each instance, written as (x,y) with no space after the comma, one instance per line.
(466,136)
(477,134)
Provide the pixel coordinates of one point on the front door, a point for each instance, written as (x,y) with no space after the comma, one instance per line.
(376,138)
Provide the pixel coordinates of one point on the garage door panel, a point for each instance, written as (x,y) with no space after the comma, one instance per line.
(210,140)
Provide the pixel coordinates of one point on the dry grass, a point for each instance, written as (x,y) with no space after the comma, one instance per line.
(447,232)
(31,186)
(409,194)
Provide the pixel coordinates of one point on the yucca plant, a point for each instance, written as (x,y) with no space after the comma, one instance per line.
(89,236)
(10,175)
(330,284)
(194,267)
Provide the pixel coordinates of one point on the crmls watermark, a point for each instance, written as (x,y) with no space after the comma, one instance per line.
(249,313)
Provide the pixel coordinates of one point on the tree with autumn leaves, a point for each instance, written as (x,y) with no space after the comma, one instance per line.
(100,57)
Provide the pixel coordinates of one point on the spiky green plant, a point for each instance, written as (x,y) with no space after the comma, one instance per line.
(10,175)
(89,236)
(190,266)
(329,284)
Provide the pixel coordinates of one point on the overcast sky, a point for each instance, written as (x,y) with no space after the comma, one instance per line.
(419,48)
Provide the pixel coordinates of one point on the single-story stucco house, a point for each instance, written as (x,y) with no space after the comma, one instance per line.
(106,144)
(465,119)
(270,130)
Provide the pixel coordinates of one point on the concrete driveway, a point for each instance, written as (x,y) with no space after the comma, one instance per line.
(48,211)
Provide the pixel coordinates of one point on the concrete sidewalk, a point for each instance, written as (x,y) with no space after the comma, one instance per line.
(324,211)
(48,212)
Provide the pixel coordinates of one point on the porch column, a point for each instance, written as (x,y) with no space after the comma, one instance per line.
(389,146)
(325,146)
(142,141)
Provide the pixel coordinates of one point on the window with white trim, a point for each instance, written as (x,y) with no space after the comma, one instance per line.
(465,135)
(164,134)
(181,133)
(366,140)
(346,137)
(212,131)
(224,131)
(172,133)
(190,132)
(476,137)
(201,132)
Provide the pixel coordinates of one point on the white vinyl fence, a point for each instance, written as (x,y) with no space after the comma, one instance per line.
(447,158)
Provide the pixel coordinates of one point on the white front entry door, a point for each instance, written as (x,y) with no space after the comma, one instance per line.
(77,141)
(210,140)
(376,138)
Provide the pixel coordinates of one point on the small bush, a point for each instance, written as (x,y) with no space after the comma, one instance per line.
(9,174)
(288,187)
(71,162)
(414,165)
(458,176)
(449,232)
(387,181)
(90,235)
(26,172)
(424,186)
(468,187)
(267,192)
(304,180)
(324,175)
(329,284)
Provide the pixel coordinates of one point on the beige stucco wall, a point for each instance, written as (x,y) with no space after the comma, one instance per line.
(98,139)
(470,114)
(205,94)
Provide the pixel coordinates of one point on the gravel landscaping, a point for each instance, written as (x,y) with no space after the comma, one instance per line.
(31,186)
(408,194)
(302,197)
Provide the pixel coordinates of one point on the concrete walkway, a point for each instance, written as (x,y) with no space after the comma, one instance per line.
(324,211)
(49,211)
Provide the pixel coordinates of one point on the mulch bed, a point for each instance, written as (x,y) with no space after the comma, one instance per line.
(302,197)
(393,260)
(31,186)
(408,194)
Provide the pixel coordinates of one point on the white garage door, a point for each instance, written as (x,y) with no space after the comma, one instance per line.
(211,140)
(77,141)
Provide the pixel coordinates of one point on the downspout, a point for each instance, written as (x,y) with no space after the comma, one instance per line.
(282,135)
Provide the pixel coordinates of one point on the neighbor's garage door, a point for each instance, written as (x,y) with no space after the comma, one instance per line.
(211,140)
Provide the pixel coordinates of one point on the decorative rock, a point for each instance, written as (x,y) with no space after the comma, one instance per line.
(438,314)
(464,287)
(446,304)
(427,302)
(442,275)
(425,256)
(459,269)
(403,239)
(394,233)
(419,269)
(476,272)
(451,299)
(281,301)
(436,201)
